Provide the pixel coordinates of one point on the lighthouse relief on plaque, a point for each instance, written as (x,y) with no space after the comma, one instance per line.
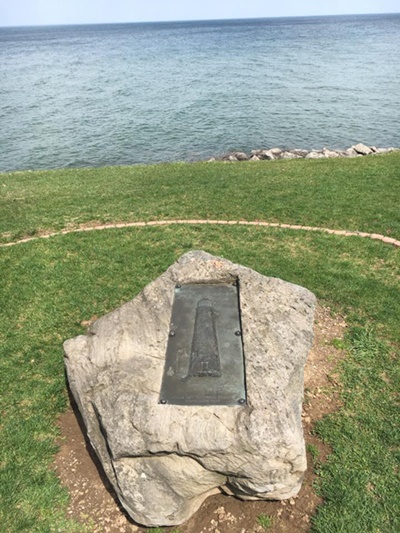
(204,363)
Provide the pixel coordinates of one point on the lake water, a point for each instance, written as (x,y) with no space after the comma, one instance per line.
(116,94)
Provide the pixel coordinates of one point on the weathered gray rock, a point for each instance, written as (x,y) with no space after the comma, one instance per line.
(386,150)
(315,155)
(267,154)
(350,152)
(235,156)
(275,151)
(270,154)
(357,150)
(330,153)
(300,152)
(362,149)
(289,155)
(164,460)
(241,156)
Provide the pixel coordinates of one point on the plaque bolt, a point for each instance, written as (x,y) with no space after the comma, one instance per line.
(238,333)
(172,333)
(242,401)
(163,402)
(178,286)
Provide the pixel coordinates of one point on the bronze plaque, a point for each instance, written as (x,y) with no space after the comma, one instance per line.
(204,363)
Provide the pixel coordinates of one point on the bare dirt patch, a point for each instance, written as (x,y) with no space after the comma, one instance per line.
(93,502)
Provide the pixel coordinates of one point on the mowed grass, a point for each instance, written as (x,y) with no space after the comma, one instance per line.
(49,287)
(354,194)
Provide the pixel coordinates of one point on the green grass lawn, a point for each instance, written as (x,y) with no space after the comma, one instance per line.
(354,194)
(48,287)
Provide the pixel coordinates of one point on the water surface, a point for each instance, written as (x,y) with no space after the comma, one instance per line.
(138,93)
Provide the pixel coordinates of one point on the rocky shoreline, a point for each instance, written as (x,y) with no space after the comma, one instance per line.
(357,150)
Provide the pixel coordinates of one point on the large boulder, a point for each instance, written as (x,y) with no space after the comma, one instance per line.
(267,154)
(362,149)
(290,155)
(164,460)
(275,151)
(241,156)
(350,152)
(314,154)
(330,153)
(300,152)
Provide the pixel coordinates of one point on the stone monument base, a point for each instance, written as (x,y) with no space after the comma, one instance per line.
(164,460)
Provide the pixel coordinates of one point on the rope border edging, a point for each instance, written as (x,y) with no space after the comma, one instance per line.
(346,233)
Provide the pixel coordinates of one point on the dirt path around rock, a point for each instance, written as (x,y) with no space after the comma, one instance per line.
(97,227)
(93,502)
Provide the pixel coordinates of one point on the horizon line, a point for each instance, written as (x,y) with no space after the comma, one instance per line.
(172,21)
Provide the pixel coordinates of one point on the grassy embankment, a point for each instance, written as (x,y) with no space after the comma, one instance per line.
(48,287)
